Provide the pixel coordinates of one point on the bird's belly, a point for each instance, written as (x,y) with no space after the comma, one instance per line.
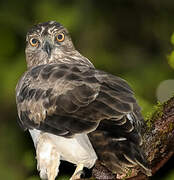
(75,150)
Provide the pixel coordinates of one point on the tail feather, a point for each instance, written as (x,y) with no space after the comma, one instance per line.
(118,156)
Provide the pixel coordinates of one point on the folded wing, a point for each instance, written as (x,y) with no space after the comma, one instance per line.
(66,99)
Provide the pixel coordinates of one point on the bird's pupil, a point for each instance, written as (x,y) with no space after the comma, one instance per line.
(34,41)
(59,36)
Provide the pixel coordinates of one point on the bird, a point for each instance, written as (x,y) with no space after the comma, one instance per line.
(75,112)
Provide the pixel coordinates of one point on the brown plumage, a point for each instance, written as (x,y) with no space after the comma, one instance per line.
(63,94)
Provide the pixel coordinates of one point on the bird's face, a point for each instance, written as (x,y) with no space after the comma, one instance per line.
(47,43)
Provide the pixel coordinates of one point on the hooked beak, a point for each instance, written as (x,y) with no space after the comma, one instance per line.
(47,48)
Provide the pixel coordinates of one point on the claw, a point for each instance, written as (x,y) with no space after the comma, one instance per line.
(78,172)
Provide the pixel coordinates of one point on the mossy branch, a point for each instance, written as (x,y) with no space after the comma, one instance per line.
(158,143)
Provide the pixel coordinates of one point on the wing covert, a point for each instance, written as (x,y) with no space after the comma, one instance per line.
(50,95)
(71,98)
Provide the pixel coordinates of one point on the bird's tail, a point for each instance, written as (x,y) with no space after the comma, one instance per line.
(119,153)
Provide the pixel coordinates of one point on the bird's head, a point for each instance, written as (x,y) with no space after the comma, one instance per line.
(48,43)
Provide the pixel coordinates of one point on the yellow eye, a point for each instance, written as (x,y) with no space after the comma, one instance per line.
(34,42)
(60,37)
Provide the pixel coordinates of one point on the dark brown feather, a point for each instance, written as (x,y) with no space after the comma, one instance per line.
(74,99)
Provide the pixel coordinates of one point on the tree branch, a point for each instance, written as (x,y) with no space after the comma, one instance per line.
(158,143)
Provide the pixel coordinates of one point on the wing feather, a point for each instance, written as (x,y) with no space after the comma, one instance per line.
(66,99)
(76,92)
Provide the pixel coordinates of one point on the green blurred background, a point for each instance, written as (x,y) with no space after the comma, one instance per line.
(131,39)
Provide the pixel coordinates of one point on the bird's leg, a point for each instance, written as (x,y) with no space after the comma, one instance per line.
(77,173)
(53,170)
(48,159)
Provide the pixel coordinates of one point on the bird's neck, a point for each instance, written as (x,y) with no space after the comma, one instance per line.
(72,57)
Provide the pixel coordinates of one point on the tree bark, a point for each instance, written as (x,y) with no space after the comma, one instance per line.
(158,144)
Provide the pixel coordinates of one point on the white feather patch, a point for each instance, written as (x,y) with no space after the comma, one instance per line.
(77,150)
(129,116)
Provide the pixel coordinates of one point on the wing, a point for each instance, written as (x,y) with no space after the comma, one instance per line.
(68,99)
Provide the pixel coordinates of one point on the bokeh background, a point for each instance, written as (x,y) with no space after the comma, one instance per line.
(131,39)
